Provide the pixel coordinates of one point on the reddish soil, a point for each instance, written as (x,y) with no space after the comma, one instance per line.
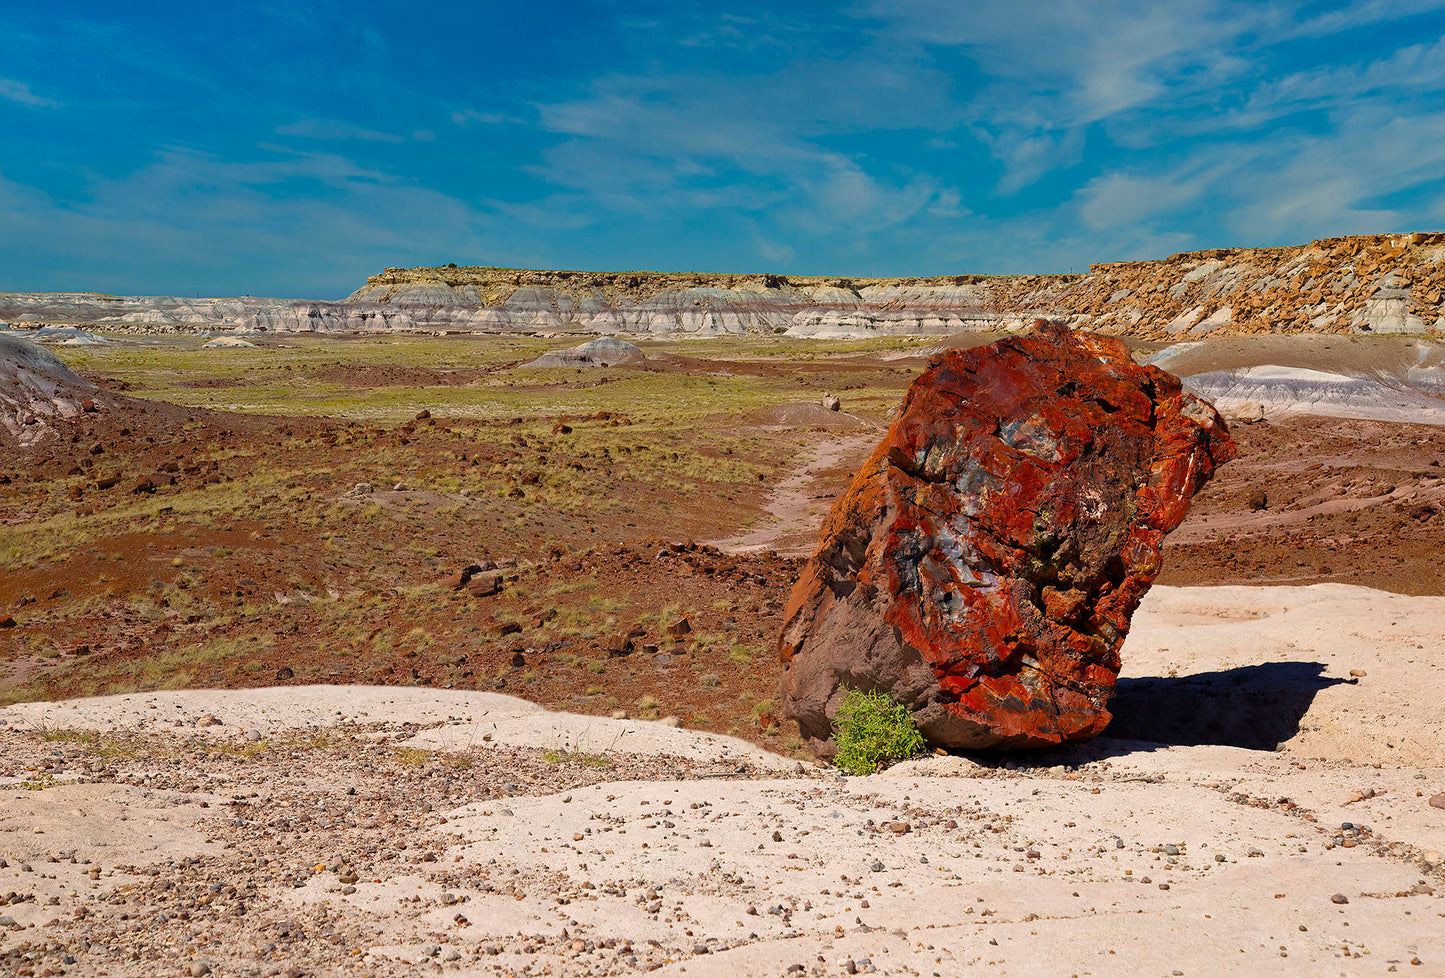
(255,567)
(1320,499)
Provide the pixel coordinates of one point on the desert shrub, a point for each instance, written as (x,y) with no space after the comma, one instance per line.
(871,728)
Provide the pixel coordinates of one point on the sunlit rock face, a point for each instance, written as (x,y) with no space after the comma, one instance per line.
(985,562)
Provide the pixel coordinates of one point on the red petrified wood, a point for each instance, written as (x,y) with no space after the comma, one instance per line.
(984,564)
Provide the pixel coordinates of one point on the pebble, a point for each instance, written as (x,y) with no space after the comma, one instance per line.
(199,968)
(1339,898)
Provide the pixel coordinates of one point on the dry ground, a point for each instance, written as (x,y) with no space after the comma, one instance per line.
(644,526)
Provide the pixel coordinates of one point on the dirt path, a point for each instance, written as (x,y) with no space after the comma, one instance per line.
(798,503)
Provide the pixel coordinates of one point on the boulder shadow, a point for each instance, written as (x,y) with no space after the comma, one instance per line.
(1256,707)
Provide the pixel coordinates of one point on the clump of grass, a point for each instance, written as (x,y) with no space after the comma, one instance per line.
(576,758)
(871,729)
(411,756)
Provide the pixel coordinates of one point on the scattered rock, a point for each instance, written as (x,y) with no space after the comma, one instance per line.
(484,585)
(831,403)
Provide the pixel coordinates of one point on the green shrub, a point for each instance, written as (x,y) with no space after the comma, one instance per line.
(869,729)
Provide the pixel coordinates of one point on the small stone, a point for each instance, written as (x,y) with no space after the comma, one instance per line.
(199,968)
(1339,898)
(1171,850)
(1438,801)
(777,836)
(1358,673)
(877,867)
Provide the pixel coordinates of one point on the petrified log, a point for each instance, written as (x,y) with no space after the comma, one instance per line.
(984,564)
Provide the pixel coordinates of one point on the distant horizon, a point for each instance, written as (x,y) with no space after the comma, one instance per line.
(734,274)
(170,149)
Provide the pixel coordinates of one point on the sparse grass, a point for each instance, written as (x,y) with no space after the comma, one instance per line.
(412,756)
(576,758)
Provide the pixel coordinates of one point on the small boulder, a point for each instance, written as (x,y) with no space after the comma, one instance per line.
(831,402)
(484,585)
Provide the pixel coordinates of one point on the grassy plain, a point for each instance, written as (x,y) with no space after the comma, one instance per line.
(265,562)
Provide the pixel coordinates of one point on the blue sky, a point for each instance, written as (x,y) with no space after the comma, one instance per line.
(295,148)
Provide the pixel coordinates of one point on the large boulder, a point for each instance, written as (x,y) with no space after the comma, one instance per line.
(984,564)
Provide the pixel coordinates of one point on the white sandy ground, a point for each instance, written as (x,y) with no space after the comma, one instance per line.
(1052,864)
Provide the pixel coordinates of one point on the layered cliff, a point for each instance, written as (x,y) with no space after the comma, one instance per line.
(1378,283)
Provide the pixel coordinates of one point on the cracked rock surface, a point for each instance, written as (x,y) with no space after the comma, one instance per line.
(985,562)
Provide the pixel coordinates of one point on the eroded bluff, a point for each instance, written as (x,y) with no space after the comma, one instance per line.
(985,562)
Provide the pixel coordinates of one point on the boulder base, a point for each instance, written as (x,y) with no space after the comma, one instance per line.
(984,564)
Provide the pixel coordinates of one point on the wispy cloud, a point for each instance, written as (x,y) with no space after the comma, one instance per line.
(335,129)
(19,92)
(224,225)
(469,117)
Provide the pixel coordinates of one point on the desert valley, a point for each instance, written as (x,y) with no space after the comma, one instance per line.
(437,631)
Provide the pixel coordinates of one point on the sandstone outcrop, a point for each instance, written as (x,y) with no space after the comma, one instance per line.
(1363,284)
(985,562)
